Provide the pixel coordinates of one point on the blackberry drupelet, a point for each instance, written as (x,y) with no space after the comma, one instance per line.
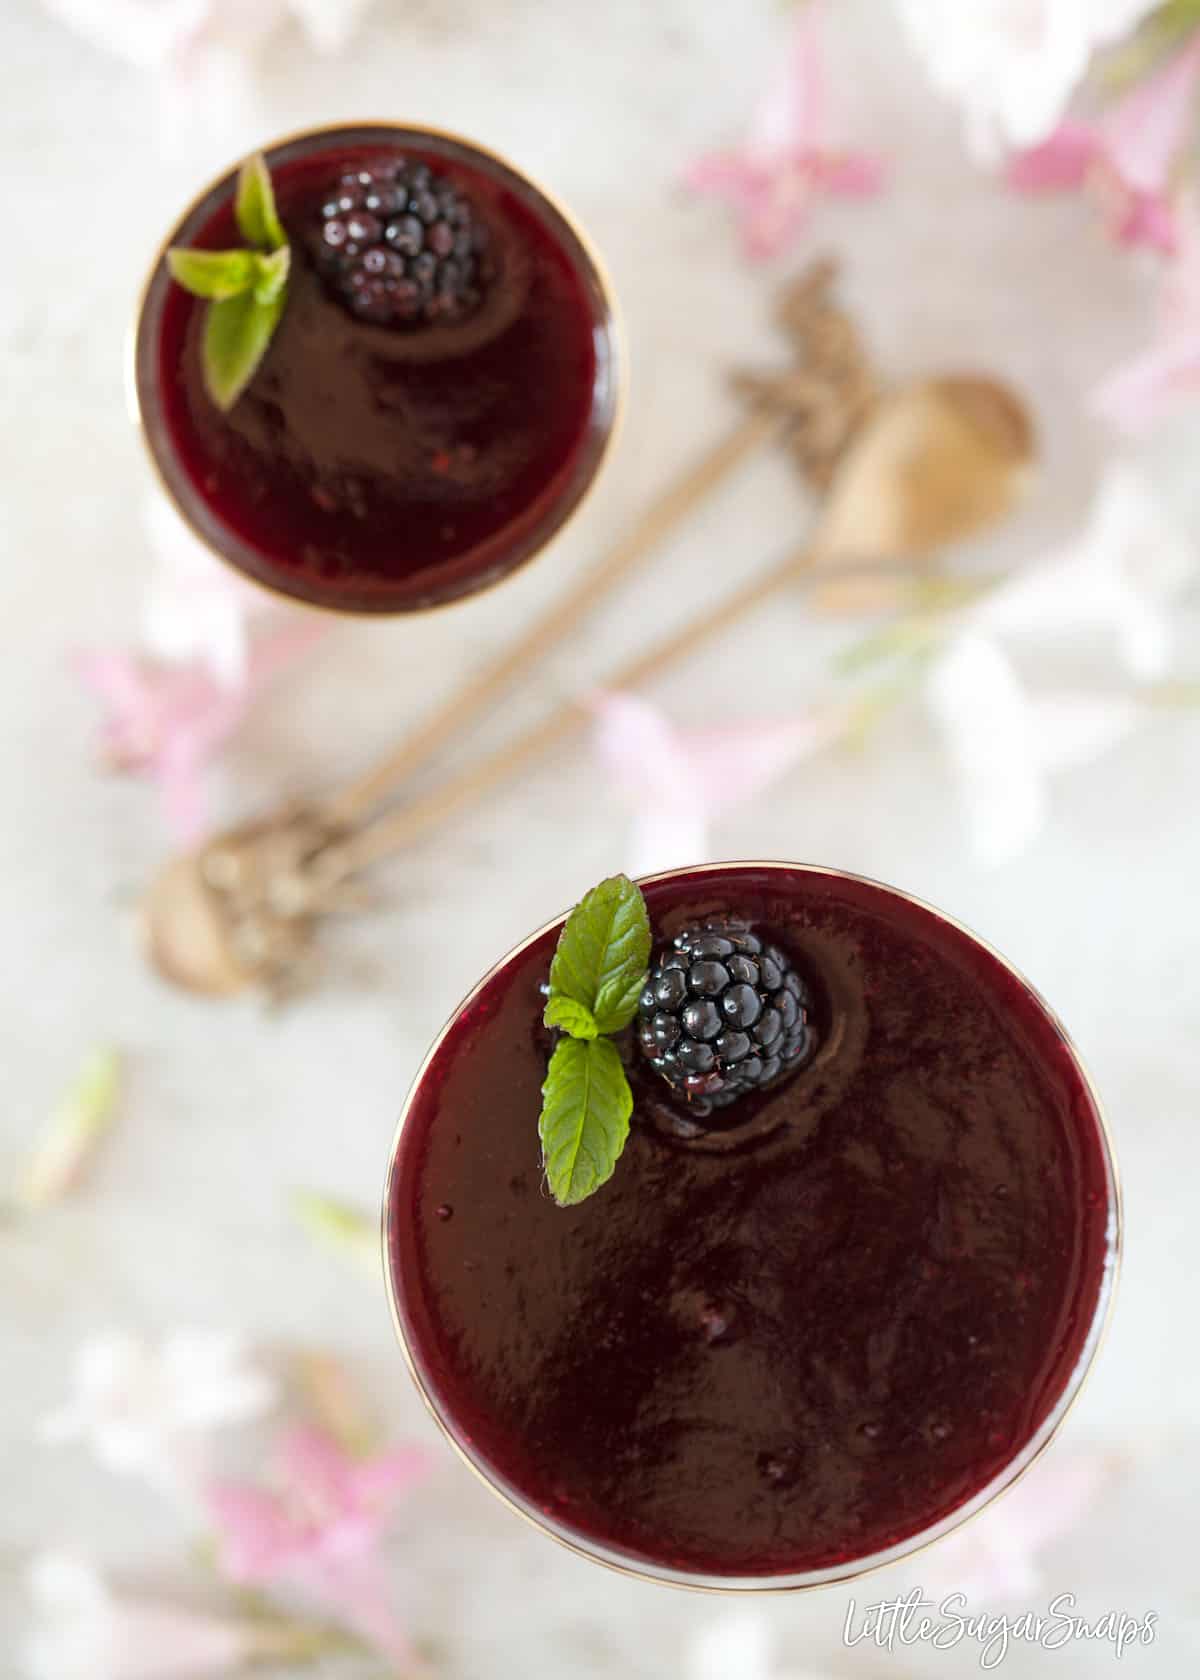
(401,246)
(723,1013)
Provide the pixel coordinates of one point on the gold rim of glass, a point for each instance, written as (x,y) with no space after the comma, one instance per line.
(854,1569)
(609,400)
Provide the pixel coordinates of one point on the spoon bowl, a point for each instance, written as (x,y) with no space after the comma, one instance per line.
(938,460)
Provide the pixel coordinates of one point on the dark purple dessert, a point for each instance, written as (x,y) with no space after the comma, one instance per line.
(793,1331)
(435,399)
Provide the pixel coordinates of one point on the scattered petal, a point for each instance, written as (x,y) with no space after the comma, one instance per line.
(1012,65)
(679,782)
(179,36)
(736,1646)
(333,1400)
(169,722)
(146,1410)
(87,1631)
(197,610)
(1145,133)
(1004,743)
(74,1132)
(1168,371)
(318,1528)
(1061,163)
(1128,157)
(786,163)
(346,1229)
(1122,575)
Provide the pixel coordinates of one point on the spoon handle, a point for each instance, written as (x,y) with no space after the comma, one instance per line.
(390,833)
(350,805)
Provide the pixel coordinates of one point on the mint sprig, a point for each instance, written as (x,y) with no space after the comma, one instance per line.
(246,290)
(574,1018)
(603,953)
(596,978)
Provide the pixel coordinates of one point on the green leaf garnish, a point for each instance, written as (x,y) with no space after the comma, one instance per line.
(603,953)
(272,273)
(586,1104)
(213,274)
(246,290)
(596,977)
(574,1018)
(254,206)
(236,335)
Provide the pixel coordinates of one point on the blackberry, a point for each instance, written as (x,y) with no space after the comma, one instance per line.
(401,246)
(723,1013)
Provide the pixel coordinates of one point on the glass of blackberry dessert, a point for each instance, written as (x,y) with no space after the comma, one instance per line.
(376,368)
(752,1227)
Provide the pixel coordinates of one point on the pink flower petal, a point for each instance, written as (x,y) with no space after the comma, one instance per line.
(319,1534)
(381,1480)
(786,161)
(314,1463)
(680,781)
(256,1537)
(168,720)
(1180,302)
(1059,164)
(793,113)
(185,802)
(114,677)
(1149,386)
(777,214)
(641,749)
(1145,133)
(733,764)
(725,175)
(853,174)
(355,1592)
(1147,219)
(273,653)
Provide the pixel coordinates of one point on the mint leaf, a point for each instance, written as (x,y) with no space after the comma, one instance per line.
(574,1018)
(214,274)
(271,273)
(246,290)
(603,953)
(236,335)
(586,1104)
(254,206)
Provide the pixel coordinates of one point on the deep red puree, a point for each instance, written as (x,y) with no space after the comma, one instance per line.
(794,1341)
(386,469)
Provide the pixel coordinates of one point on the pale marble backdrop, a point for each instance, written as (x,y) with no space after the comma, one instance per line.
(186,1220)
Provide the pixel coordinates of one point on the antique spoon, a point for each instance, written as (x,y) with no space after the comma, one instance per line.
(932,463)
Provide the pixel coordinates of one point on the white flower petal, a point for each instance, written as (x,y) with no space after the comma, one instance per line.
(147,32)
(211,1381)
(1012,64)
(974,697)
(1071,729)
(133,1403)
(736,1646)
(159,1642)
(1004,742)
(666,838)
(196,608)
(329,24)
(63,1580)
(1120,577)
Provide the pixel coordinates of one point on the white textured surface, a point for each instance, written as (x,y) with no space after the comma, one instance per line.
(187,1219)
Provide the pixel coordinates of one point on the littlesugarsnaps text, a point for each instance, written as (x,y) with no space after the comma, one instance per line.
(916,1620)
